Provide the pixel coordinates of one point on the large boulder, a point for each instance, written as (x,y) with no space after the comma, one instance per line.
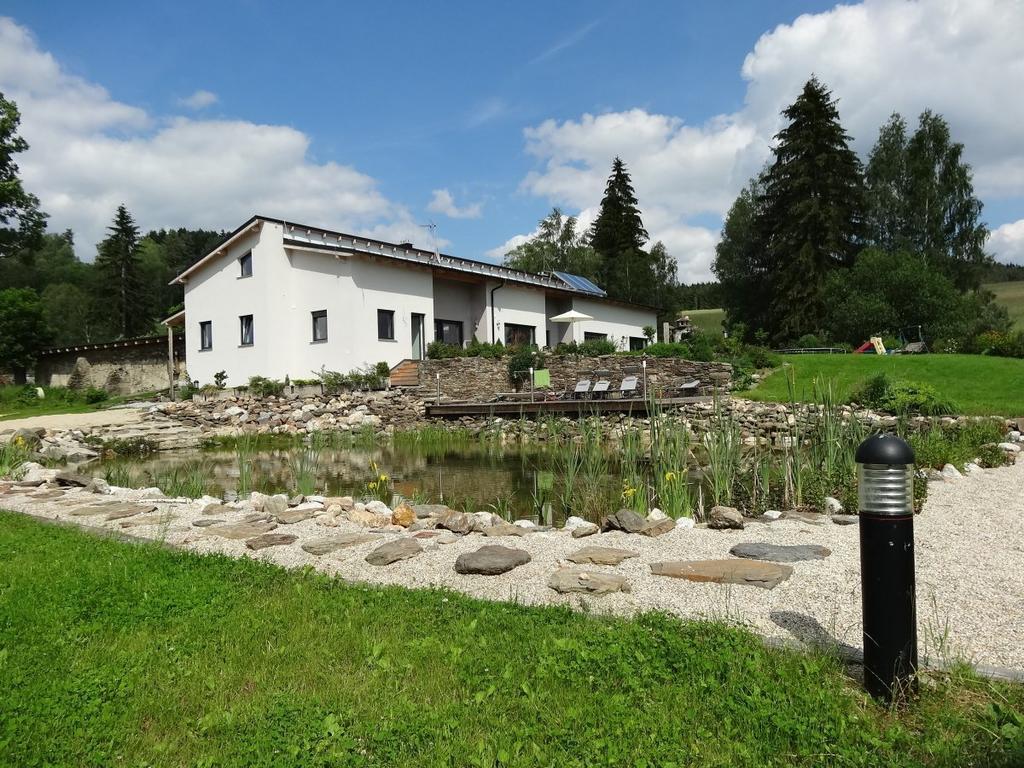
(624,520)
(491,560)
(725,517)
(404,515)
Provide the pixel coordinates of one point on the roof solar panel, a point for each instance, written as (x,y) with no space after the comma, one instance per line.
(579,282)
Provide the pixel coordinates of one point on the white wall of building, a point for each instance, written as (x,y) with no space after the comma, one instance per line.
(617,322)
(520,306)
(289,284)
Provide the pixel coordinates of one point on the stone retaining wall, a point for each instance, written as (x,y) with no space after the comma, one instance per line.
(479,379)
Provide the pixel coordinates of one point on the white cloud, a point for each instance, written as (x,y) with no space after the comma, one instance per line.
(1006,243)
(89,153)
(441,201)
(199,100)
(963,60)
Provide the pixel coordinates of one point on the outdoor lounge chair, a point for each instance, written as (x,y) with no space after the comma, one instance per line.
(582,389)
(689,388)
(602,385)
(629,387)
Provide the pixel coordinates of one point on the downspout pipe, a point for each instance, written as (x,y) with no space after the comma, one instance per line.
(494,333)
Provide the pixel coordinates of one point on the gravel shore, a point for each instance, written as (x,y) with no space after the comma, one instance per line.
(969,545)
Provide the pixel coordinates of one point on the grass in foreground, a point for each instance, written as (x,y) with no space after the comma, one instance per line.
(1011,296)
(978,385)
(116,654)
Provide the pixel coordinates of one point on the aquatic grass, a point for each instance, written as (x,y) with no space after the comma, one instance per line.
(722,447)
(189,480)
(304,464)
(379,487)
(13,454)
(245,452)
(121,474)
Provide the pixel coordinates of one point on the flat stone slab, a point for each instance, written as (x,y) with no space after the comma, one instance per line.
(241,530)
(206,522)
(589,582)
(270,540)
(292,516)
(845,519)
(327,544)
(491,560)
(595,555)
(216,510)
(392,551)
(45,495)
(505,529)
(754,573)
(431,510)
(812,518)
(139,522)
(658,527)
(120,509)
(780,553)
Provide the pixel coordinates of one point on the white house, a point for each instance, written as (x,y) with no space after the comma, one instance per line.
(278,298)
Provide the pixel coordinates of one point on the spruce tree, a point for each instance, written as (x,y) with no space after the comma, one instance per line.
(618,236)
(119,277)
(811,218)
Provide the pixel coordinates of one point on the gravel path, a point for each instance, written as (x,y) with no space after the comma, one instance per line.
(56,421)
(970,567)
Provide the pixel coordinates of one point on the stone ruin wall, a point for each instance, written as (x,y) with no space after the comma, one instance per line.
(118,370)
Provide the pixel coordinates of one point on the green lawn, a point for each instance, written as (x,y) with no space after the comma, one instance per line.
(1011,295)
(120,654)
(978,385)
(707,320)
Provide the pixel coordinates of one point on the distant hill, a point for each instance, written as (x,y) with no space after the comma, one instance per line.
(1010,295)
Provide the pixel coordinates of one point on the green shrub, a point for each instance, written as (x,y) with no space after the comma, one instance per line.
(438,350)
(521,360)
(937,446)
(589,348)
(260,386)
(809,341)
(369,377)
(220,378)
(902,397)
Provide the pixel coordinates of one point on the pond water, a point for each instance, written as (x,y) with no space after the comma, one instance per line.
(512,481)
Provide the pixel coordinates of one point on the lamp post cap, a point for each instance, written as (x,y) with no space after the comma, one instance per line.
(885,449)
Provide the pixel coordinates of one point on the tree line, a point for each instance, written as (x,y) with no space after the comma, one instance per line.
(50,297)
(823,247)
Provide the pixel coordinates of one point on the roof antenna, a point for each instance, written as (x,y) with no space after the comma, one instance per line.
(433,234)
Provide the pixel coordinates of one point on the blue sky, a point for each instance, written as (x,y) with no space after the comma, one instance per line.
(361,114)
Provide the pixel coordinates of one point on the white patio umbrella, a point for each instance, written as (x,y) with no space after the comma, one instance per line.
(572,316)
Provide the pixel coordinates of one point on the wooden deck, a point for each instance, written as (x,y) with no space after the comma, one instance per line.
(635,406)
